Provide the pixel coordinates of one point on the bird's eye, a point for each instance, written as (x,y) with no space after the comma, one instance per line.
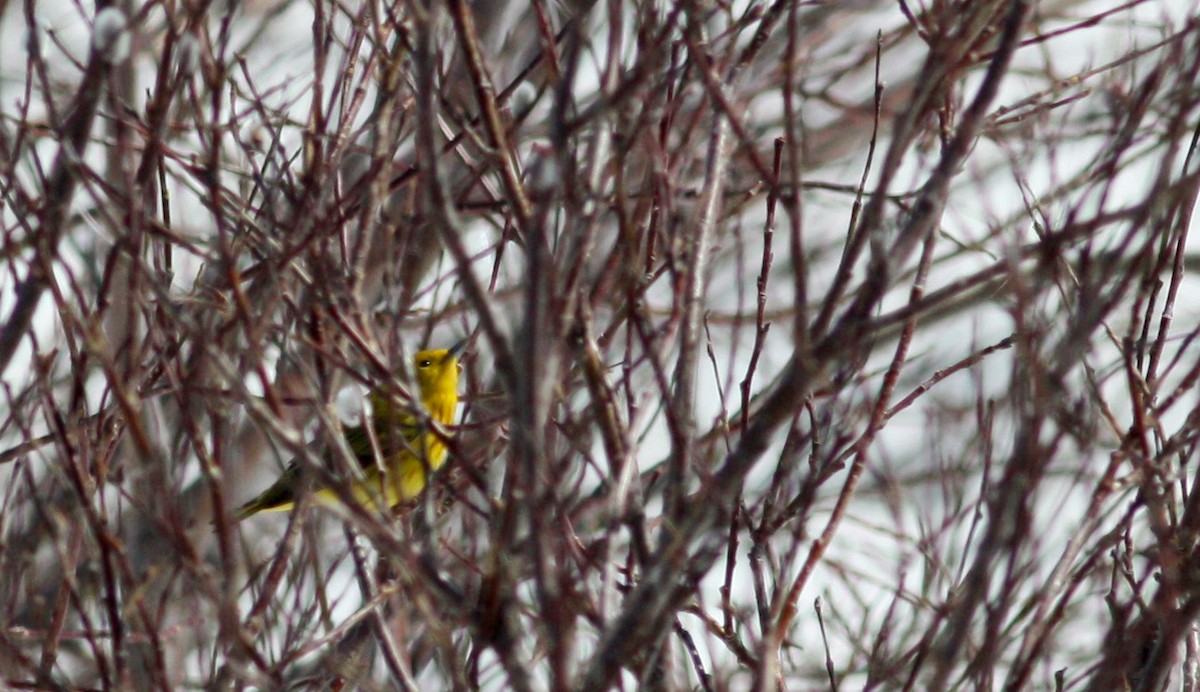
(425,363)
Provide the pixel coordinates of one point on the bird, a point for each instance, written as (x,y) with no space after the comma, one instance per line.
(408,448)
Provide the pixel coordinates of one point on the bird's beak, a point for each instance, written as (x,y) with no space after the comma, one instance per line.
(457,349)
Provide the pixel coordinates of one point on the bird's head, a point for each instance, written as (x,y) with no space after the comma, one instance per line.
(437,372)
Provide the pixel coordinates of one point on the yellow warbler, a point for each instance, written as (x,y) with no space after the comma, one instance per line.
(407,448)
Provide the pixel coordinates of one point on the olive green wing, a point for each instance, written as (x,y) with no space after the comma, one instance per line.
(394,435)
(281,496)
